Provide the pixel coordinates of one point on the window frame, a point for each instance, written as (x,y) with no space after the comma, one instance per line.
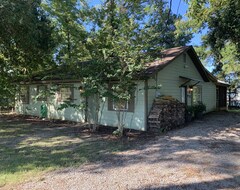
(38,90)
(60,95)
(199,94)
(130,103)
(26,99)
(183,94)
(126,105)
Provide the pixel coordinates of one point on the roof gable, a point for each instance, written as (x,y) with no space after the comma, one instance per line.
(169,55)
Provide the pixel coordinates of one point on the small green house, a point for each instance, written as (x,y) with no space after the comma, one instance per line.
(178,73)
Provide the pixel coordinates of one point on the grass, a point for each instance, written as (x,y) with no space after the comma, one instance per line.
(32,149)
(233,109)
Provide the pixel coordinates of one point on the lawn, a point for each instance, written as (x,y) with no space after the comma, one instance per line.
(236,110)
(30,147)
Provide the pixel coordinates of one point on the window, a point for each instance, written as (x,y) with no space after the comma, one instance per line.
(65,93)
(183,94)
(24,94)
(122,105)
(196,94)
(41,93)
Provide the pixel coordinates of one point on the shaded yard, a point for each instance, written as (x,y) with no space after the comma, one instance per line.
(203,155)
(29,146)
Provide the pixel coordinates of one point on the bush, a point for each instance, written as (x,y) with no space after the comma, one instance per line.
(189,110)
(199,108)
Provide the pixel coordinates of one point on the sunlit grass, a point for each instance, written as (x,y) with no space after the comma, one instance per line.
(28,151)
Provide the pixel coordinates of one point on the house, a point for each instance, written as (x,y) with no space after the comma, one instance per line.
(178,73)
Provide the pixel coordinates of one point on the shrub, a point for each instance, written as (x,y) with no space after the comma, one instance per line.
(199,107)
(189,110)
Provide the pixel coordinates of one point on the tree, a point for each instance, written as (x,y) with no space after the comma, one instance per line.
(112,42)
(125,35)
(222,19)
(26,42)
(165,29)
(97,44)
(221,43)
(70,33)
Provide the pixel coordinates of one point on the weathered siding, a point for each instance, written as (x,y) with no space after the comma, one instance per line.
(33,108)
(133,120)
(169,79)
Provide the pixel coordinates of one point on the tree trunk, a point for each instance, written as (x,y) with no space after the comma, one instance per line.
(96,122)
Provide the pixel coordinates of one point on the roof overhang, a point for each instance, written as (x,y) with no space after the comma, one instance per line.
(222,83)
(189,80)
(48,82)
(216,81)
(198,64)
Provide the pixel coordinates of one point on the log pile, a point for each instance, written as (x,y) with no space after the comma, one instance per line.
(166,113)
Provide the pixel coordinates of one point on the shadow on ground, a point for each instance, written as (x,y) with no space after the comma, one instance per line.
(206,185)
(26,144)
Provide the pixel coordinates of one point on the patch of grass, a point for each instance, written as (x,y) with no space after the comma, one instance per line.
(234,110)
(29,150)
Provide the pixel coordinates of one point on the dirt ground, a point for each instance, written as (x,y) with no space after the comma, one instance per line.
(203,155)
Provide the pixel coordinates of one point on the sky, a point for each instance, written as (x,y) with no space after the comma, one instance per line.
(178,7)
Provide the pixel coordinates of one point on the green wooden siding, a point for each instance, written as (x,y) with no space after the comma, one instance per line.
(170,82)
(168,78)
(33,108)
(133,120)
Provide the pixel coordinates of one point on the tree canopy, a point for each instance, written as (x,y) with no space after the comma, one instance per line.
(221,44)
(25,41)
(222,19)
(99,43)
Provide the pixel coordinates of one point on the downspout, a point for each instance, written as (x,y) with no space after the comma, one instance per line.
(146,104)
(86,110)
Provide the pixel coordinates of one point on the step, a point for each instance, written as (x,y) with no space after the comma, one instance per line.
(153,116)
(153,121)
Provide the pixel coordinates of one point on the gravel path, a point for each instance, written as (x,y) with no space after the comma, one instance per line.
(203,155)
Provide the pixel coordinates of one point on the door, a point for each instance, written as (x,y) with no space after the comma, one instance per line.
(183,91)
(222,96)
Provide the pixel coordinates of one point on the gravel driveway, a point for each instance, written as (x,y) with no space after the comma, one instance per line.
(203,155)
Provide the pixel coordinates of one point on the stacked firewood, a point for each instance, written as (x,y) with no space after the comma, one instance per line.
(166,113)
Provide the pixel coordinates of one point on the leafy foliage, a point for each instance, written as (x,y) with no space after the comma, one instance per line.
(127,38)
(110,42)
(221,43)
(199,107)
(25,39)
(222,19)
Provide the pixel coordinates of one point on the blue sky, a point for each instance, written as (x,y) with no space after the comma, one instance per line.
(178,7)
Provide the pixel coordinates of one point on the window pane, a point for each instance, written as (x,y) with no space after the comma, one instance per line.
(197,94)
(24,94)
(120,105)
(41,92)
(123,105)
(65,94)
(183,94)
